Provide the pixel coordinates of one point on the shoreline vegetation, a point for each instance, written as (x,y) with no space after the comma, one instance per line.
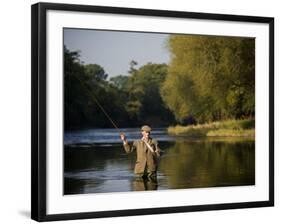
(226,128)
(208,79)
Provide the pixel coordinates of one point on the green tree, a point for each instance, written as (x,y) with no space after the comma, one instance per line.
(130,100)
(75,96)
(119,81)
(84,85)
(210,78)
(144,101)
(96,72)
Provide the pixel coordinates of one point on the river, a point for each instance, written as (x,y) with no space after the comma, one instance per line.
(95,162)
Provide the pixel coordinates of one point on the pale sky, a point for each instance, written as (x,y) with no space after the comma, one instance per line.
(113,50)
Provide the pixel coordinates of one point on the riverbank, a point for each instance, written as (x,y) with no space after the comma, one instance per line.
(227,128)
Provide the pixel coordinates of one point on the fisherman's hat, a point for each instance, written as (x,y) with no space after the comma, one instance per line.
(146,128)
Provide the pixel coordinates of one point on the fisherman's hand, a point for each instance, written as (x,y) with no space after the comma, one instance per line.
(144,139)
(122,136)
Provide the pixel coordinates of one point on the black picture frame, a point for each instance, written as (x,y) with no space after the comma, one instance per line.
(39,122)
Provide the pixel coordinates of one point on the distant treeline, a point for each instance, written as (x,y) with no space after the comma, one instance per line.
(208,78)
(130,100)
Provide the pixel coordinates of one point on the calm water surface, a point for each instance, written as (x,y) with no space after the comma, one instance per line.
(95,162)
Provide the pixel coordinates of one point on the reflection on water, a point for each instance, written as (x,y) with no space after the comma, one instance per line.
(185,163)
(142,184)
(207,164)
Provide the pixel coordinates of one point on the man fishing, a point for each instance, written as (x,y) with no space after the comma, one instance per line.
(148,153)
(147,148)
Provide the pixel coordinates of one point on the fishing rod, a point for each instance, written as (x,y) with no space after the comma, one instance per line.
(91,94)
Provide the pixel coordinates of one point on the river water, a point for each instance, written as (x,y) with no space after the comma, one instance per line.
(95,162)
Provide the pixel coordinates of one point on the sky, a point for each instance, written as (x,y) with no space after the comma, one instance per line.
(113,50)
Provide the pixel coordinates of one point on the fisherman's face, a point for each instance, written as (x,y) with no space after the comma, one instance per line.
(145,134)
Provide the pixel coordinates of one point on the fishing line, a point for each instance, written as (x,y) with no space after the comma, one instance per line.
(91,94)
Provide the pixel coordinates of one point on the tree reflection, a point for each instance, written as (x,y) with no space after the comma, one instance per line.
(209,164)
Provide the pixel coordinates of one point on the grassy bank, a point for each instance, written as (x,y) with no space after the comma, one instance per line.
(233,128)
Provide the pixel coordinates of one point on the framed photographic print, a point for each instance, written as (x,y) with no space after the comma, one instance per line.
(141,111)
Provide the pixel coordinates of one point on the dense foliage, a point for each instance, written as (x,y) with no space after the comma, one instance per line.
(210,78)
(130,100)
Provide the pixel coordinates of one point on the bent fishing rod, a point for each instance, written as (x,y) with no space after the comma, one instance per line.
(92,95)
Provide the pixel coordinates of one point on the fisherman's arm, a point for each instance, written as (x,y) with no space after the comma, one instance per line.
(128,148)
